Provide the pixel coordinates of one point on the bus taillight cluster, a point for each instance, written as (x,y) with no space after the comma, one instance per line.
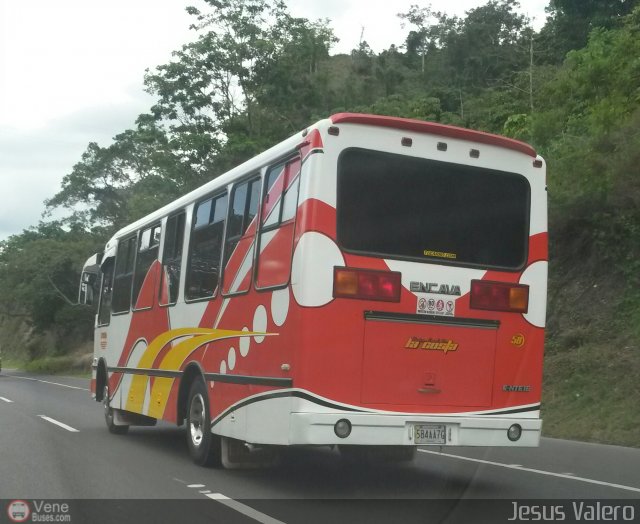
(366,284)
(499,296)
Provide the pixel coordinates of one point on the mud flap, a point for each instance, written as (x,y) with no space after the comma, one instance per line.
(126,418)
(237,454)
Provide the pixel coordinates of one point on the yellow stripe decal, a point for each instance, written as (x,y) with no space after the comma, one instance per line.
(172,361)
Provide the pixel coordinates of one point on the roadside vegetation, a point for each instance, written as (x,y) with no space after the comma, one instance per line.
(255,75)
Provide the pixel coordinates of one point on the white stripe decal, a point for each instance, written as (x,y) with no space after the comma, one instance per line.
(531,470)
(245,266)
(60,424)
(524,410)
(243,508)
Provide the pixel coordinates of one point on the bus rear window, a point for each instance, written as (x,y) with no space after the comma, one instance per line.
(398,206)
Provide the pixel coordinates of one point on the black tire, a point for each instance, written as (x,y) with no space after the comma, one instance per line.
(108,415)
(204,446)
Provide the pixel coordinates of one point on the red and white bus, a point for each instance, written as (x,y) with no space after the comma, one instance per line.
(372,282)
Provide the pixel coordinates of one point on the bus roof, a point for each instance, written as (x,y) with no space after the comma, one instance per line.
(255,163)
(420,126)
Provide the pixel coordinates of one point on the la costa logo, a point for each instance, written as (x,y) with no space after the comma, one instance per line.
(18,511)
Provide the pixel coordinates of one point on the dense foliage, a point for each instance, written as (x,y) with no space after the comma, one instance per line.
(255,74)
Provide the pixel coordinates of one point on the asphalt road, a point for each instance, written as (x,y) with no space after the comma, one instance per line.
(54,446)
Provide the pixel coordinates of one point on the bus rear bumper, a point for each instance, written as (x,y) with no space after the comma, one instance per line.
(394,430)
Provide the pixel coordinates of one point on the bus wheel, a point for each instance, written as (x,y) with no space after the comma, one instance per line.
(109,415)
(204,446)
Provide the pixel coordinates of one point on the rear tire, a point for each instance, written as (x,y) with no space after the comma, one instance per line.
(109,415)
(204,446)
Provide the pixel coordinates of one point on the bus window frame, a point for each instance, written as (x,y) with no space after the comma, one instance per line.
(112,261)
(125,238)
(272,227)
(182,255)
(248,179)
(211,196)
(438,261)
(149,228)
(283,161)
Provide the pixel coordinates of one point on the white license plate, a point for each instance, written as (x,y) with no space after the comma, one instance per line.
(430,433)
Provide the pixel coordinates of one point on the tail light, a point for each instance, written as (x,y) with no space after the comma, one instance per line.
(499,296)
(366,284)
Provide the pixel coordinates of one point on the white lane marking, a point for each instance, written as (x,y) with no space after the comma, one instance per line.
(47,382)
(531,470)
(6,400)
(218,496)
(205,491)
(243,508)
(58,423)
(196,486)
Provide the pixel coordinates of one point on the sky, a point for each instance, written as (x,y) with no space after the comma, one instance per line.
(71,72)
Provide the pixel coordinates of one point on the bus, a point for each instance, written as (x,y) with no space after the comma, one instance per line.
(371,283)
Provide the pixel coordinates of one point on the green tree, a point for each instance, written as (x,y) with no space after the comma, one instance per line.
(571,21)
(41,266)
(489,46)
(101,188)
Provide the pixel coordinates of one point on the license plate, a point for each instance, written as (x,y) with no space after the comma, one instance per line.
(429,434)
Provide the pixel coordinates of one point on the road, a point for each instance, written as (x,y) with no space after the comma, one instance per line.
(54,446)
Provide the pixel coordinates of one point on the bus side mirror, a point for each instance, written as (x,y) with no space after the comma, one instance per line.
(87,288)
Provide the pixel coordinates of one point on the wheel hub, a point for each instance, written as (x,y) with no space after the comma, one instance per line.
(196,419)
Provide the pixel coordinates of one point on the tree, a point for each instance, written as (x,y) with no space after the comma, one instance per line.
(36,262)
(571,21)
(489,45)
(101,188)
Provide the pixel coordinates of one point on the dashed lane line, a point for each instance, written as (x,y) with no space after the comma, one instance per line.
(60,424)
(537,471)
(6,400)
(247,511)
(243,508)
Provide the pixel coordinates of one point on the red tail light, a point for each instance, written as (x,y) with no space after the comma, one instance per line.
(499,296)
(366,284)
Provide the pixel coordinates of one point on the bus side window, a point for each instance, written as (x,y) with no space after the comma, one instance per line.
(147,255)
(172,260)
(241,230)
(106,288)
(205,248)
(123,277)
(277,225)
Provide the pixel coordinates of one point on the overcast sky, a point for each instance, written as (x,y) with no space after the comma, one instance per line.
(71,72)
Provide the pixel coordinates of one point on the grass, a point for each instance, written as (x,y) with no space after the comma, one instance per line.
(592,351)
(12,363)
(70,365)
(591,393)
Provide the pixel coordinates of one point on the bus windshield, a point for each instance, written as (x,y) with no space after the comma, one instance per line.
(398,206)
